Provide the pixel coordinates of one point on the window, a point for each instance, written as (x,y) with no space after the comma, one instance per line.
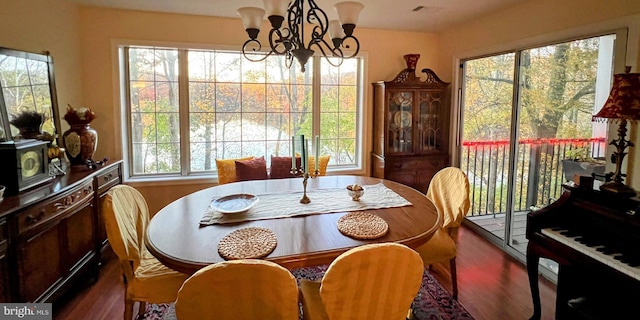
(228,107)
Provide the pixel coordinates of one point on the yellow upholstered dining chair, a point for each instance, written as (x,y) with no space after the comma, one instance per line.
(239,289)
(449,192)
(126,215)
(375,281)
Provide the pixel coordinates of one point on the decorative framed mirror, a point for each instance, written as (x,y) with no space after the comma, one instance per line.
(28,100)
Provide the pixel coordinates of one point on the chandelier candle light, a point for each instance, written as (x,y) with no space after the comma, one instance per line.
(622,105)
(289,39)
(303,171)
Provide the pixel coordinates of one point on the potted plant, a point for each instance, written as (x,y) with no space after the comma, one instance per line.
(578,161)
(28,122)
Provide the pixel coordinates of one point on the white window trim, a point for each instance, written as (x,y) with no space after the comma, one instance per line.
(121,126)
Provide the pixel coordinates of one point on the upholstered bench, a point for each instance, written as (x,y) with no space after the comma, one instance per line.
(252,168)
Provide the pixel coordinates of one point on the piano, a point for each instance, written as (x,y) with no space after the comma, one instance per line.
(594,237)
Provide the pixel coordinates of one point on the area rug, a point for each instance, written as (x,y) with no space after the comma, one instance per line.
(433,302)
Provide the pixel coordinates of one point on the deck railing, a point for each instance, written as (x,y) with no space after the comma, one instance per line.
(538,179)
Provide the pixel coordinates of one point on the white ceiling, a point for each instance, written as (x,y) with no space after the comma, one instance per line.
(436,15)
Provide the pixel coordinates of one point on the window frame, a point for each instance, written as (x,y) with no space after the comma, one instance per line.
(186,175)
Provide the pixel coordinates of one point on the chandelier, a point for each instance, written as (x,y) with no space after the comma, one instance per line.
(289,39)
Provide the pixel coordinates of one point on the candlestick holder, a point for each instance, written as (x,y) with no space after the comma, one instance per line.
(299,172)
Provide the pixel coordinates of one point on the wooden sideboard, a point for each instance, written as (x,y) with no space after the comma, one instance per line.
(52,236)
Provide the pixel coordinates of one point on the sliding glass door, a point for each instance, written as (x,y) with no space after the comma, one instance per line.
(486,131)
(522,113)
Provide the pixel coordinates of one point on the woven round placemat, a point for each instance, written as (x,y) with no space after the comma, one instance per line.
(247,243)
(362,225)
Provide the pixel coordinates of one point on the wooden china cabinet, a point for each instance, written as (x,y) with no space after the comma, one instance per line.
(411,128)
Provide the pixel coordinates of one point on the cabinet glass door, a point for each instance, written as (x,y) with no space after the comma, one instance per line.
(429,128)
(399,122)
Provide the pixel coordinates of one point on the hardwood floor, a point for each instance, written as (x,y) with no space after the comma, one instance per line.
(492,285)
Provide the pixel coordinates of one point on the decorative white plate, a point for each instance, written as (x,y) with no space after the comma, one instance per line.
(402,119)
(234,203)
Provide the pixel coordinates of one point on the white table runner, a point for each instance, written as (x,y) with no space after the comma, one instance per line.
(281,205)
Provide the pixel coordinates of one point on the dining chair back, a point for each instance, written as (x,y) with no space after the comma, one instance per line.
(449,192)
(375,281)
(239,289)
(126,215)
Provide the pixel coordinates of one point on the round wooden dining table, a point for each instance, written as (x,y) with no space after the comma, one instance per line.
(176,237)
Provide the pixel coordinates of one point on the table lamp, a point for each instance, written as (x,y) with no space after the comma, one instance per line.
(622,105)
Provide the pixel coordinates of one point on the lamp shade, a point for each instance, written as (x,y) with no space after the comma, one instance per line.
(335,30)
(348,11)
(624,99)
(251,17)
(276,7)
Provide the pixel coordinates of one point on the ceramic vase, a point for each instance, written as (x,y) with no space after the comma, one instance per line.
(80,143)
(411,60)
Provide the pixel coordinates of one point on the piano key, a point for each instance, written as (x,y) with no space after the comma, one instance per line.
(596,252)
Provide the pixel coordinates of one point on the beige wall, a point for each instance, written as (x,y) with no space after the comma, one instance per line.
(45,25)
(538,22)
(104,29)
